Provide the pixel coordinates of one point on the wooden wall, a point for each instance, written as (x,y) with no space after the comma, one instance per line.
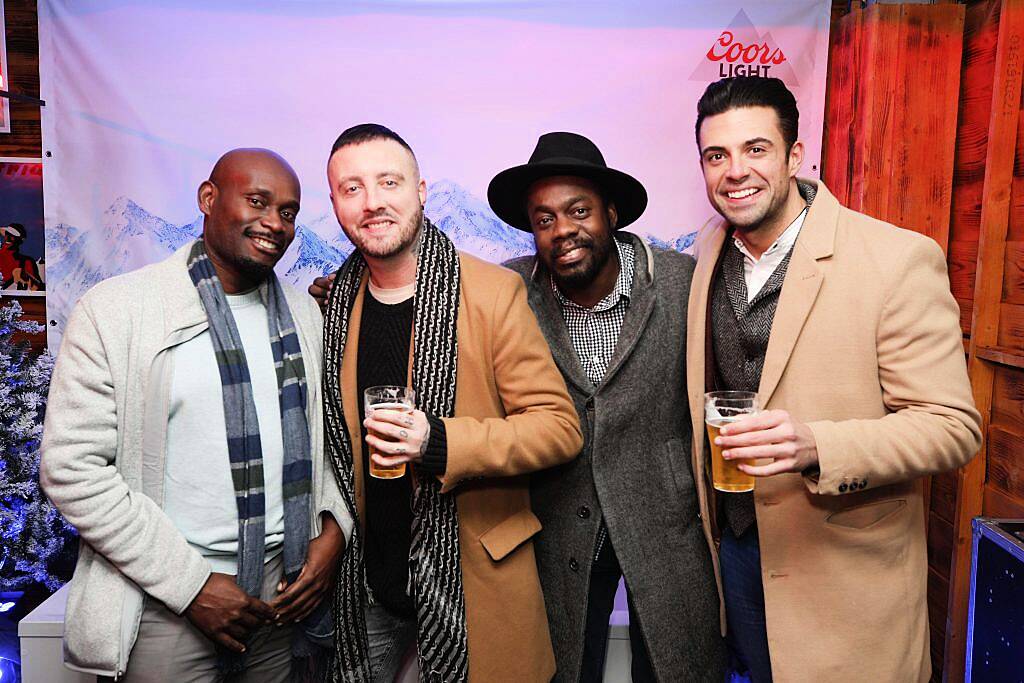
(993,484)
(924,129)
(25,138)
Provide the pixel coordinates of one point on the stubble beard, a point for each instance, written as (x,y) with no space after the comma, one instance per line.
(407,235)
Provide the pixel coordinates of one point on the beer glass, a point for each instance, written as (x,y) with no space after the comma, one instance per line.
(721,408)
(402,399)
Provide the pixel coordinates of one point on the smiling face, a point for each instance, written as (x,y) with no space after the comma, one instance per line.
(250,204)
(572,230)
(378,197)
(749,173)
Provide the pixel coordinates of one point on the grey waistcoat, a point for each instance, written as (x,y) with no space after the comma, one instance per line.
(739,334)
(635,472)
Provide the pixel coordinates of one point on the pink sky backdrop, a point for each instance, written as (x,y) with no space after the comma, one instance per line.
(142,100)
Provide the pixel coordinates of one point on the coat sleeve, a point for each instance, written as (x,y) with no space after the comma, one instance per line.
(933,425)
(541,428)
(79,473)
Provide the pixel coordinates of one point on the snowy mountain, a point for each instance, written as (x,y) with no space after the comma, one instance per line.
(682,243)
(472,225)
(130,237)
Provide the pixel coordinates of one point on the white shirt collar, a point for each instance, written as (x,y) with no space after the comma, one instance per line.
(782,245)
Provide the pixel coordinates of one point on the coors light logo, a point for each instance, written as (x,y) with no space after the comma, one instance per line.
(740,50)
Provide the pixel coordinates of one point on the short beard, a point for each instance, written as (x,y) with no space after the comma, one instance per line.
(584,274)
(407,236)
(253,270)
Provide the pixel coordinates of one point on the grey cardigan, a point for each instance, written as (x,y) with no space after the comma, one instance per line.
(634,471)
(103,454)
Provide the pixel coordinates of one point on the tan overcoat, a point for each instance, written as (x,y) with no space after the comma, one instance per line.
(513,416)
(866,349)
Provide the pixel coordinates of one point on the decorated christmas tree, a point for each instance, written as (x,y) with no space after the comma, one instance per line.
(32,532)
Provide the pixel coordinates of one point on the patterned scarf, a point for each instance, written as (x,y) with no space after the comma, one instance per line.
(435,569)
(245,451)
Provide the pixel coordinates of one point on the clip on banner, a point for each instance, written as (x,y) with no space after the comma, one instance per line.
(14,97)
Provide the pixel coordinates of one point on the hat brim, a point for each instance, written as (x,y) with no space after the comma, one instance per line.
(507,191)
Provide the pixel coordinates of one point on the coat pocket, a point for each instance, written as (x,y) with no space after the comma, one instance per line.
(864,516)
(504,537)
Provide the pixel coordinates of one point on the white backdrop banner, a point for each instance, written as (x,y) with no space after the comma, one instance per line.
(142,98)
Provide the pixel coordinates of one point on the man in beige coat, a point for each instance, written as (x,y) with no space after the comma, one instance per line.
(846,329)
(442,556)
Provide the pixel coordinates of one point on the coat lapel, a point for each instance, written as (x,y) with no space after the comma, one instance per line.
(641,305)
(708,249)
(803,281)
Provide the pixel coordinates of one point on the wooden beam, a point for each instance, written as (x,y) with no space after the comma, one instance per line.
(995,208)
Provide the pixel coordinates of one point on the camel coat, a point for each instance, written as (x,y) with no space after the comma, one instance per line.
(513,416)
(866,349)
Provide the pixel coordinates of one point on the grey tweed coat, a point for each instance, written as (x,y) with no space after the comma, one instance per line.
(635,471)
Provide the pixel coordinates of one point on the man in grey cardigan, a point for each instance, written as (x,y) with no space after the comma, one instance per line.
(184,440)
(613,311)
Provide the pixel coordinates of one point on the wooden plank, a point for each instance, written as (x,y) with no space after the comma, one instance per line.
(840,104)
(1010,333)
(1013,358)
(1013,272)
(943,500)
(1007,411)
(926,103)
(962,260)
(1006,105)
(978,67)
(22,33)
(1005,469)
(940,546)
(872,135)
(1016,229)
(998,504)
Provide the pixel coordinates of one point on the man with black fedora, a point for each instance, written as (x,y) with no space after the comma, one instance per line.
(613,311)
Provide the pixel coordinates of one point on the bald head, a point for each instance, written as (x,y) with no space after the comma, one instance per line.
(238,162)
(249,207)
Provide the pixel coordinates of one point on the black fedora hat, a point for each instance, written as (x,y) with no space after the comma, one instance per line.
(567,154)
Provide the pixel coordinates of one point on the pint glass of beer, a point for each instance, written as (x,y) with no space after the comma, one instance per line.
(721,408)
(402,399)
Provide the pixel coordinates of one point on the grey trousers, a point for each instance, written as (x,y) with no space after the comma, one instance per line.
(170,648)
(391,638)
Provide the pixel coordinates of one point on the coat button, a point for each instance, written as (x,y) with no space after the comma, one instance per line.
(583,512)
(863,484)
(573,564)
(842,488)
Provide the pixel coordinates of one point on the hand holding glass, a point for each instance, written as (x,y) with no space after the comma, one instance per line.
(402,399)
(721,408)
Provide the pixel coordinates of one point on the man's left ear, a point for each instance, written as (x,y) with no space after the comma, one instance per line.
(613,216)
(796,158)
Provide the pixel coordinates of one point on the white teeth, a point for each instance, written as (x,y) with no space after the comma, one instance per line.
(266,244)
(740,194)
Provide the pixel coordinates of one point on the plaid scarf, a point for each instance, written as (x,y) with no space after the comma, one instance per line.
(435,569)
(245,452)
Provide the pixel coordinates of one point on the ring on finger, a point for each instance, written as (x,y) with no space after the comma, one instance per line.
(404,434)
(400,450)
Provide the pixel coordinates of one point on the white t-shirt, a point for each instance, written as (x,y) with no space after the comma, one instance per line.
(199,496)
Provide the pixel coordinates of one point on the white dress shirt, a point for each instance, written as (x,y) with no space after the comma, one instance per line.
(756,271)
